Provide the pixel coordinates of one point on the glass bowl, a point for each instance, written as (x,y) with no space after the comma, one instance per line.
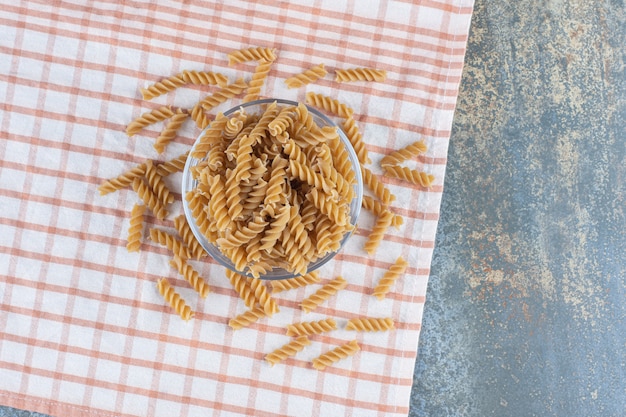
(189,183)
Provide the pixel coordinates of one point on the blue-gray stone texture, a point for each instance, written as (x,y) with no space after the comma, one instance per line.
(526,304)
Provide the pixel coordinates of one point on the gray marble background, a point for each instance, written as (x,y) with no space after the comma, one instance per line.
(526,305)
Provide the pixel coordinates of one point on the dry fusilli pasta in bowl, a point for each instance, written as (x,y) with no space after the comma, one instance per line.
(272,189)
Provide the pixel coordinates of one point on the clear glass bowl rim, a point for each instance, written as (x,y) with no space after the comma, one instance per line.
(188,183)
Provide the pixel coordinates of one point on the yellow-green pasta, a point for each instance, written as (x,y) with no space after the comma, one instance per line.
(410,175)
(360,74)
(149,198)
(258,79)
(123,180)
(329,104)
(280,285)
(401,155)
(251,54)
(174,299)
(328,290)
(171,130)
(376,236)
(335,355)
(290,349)
(148,118)
(307,77)
(169,241)
(225,93)
(370,324)
(162,87)
(247,318)
(354,136)
(191,276)
(173,165)
(378,208)
(390,277)
(135,228)
(307,328)
(376,186)
(204,78)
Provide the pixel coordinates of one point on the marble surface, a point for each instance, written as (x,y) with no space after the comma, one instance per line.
(526,311)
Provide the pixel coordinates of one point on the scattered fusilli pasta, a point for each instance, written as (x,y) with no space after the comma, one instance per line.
(335,355)
(370,324)
(390,276)
(360,74)
(328,290)
(287,350)
(135,228)
(308,328)
(174,299)
(307,77)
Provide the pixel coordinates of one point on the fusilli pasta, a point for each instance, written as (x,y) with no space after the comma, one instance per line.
(335,355)
(123,180)
(410,175)
(162,87)
(148,118)
(401,155)
(247,318)
(174,299)
(297,282)
(135,228)
(376,236)
(360,74)
(169,241)
(287,350)
(149,198)
(173,165)
(390,277)
(171,130)
(307,77)
(191,276)
(251,54)
(328,290)
(329,104)
(308,328)
(370,324)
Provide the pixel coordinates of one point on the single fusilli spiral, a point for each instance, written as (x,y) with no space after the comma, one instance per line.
(171,130)
(376,236)
(148,118)
(360,74)
(242,287)
(258,80)
(296,282)
(262,296)
(306,174)
(329,104)
(155,181)
(251,54)
(197,115)
(401,155)
(191,276)
(185,233)
(149,198)
(377,187)
(123,180)
(247,318)
(169,241)
(377,208)
(355,138)
(308,328)
(204,78)
(307,77)
(173,165)
(410,175)
(162,87)
(174,299)
(135,228)
(390,277)
(370,324)
(223,94)
(287,350)
(335,355)
(329,289)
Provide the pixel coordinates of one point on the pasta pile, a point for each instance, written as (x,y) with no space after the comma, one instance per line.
(275,189)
